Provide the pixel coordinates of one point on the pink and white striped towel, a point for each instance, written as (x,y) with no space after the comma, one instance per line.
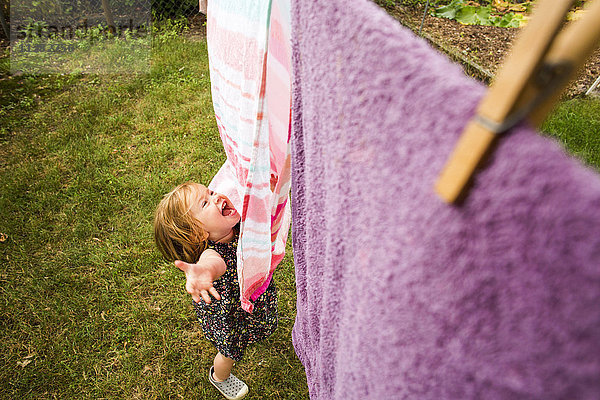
(249,53)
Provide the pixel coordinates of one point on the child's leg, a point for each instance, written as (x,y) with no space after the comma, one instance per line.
(223,367)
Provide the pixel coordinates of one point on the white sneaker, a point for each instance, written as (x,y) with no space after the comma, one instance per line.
(232,388)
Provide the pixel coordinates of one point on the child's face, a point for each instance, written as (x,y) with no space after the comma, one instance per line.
(215,212)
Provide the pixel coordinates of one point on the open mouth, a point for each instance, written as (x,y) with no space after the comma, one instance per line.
(227,209)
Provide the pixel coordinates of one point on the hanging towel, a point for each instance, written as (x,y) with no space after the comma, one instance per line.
(278,94)
(254,126)
(399,295)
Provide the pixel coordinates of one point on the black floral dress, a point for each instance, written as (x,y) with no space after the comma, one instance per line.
(224,322)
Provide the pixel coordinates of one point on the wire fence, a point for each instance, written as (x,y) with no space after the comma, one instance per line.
(172,8)
(159,9)
(20,13)
(87,36)
(4,18)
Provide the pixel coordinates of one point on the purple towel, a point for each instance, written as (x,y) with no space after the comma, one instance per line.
(401,296)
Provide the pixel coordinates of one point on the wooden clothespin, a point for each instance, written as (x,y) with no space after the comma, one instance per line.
(542,62)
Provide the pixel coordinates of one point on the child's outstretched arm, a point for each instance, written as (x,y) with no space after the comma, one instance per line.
(201,275)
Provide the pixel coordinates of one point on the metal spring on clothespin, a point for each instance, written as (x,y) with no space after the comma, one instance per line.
(538,69)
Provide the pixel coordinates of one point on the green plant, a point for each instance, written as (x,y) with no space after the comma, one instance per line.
(166,29)
(469,14)
(34,29)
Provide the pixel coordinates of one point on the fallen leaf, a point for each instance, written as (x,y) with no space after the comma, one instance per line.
(3,237)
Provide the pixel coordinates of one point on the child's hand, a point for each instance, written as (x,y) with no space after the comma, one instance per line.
(200,276)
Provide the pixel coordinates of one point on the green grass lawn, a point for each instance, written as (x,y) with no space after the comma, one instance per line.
(88,307)
(576,125)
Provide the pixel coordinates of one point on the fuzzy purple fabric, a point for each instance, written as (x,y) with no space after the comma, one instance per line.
(401,296)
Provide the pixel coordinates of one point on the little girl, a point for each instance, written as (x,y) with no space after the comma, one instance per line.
(198,229)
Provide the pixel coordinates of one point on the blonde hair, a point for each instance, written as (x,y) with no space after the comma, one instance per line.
(178,235)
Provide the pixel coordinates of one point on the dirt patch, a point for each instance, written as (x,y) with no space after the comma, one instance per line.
(484,47)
